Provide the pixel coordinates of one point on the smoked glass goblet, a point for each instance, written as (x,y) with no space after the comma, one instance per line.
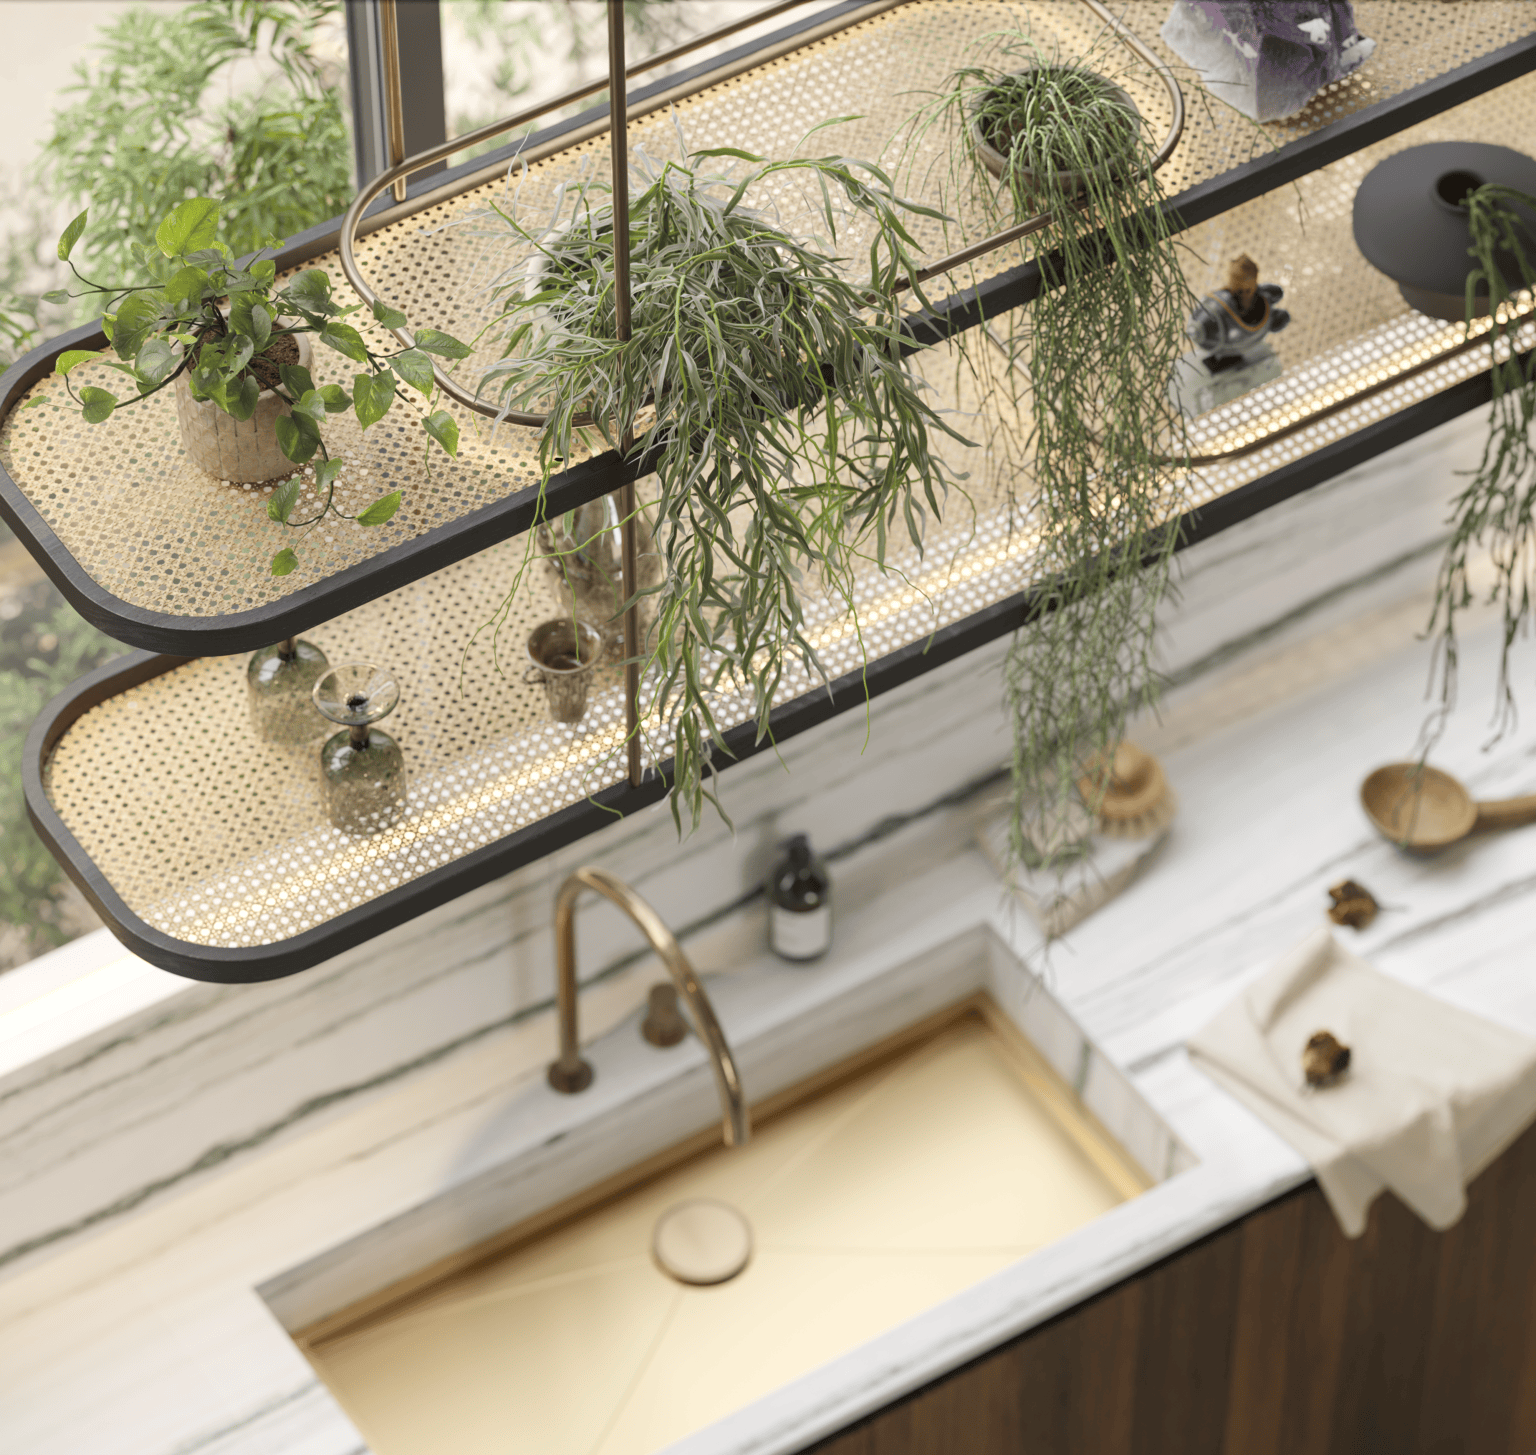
(279,686)
(362,770)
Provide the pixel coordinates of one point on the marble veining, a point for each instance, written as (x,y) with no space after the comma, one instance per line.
(168,1149)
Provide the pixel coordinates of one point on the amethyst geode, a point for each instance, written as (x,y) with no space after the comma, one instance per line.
(1268,58)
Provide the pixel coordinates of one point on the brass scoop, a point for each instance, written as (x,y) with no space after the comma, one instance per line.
(1423,808)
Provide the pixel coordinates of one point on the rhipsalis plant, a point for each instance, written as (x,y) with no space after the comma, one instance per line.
(1078,419)
(222,324)
(790,439)
(1496,512)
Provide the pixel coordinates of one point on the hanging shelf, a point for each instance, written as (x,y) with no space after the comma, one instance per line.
(160,556)
(219,865)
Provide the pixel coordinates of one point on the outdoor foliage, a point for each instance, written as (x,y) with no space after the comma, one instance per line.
(213,320)
(1496,511)
(790,437)
(44,646)
(150,128)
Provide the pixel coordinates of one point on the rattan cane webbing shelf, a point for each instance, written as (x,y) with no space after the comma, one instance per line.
(211,846)
(162,556)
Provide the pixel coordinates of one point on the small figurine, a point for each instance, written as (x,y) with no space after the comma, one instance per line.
(1230,331)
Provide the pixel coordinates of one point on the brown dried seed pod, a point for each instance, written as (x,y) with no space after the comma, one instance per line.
(1325,1059)
(1353,904)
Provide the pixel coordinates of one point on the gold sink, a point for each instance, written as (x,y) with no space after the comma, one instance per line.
(874,1191)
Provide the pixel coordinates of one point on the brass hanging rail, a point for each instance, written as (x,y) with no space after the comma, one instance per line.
(398,173)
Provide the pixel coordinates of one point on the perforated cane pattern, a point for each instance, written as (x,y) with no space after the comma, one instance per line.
(218,839)
(157,532)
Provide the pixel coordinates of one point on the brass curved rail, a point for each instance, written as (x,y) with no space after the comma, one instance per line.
(398,173)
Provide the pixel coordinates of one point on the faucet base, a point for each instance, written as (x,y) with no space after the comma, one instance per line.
(570,1078)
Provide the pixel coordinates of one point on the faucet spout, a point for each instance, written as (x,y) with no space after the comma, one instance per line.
(570,1073)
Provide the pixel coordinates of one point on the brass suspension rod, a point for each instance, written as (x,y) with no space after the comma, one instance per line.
(618,111)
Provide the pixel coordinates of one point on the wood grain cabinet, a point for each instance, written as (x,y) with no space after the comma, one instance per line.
(1277,1334)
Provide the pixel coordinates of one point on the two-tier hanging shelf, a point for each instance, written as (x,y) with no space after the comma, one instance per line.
(206,851)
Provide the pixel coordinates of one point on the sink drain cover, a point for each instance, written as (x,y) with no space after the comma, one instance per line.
(702,1241)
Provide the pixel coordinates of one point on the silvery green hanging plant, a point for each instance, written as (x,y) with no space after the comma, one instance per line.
(1078,412)
(1496,511)
(764,376)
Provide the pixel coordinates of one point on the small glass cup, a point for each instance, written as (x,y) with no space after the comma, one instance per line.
(563,654)
(362,770)
(279,686)
(582,557)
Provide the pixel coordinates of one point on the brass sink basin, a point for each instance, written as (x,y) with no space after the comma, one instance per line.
(874,1192)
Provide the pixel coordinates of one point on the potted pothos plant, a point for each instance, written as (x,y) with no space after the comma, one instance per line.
(1496,510)
(766,380)
(1077,405)
(234,344)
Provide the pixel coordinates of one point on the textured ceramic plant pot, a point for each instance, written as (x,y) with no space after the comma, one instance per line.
(996,162)
(243,451)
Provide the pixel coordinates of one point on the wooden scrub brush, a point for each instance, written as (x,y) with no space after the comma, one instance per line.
(1137,802)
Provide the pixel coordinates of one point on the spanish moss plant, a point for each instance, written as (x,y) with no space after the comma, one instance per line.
(1497,509)
(1078,410)
(790,439)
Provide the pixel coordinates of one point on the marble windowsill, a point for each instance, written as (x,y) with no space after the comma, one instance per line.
(170,1149)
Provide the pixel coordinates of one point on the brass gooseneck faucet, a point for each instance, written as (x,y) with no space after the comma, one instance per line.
(570,1073)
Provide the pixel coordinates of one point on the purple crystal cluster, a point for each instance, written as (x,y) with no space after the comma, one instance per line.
(1267,58)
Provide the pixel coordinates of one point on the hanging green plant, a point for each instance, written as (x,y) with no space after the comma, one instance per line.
(789,437)
(234,343)
(1077,408)
(1496,512)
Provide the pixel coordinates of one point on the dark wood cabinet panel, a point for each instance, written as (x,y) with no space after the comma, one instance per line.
(1275,1335)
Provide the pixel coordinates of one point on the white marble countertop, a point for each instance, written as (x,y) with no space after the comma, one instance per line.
(139,1329)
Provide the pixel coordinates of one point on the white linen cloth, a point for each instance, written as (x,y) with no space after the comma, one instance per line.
(1433,1094)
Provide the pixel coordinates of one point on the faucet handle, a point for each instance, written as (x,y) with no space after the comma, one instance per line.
(663,1024)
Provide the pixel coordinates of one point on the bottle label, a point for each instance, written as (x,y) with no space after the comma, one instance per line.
(800,936)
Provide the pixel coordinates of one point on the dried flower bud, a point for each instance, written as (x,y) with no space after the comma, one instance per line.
(1353,905)
(1325,1059)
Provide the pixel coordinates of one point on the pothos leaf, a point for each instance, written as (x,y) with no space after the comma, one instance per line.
(284,561)
(345,340)
(188,226)
(416,369)
(436,342)
(71,235)
(98,404)
(389,317)
(444,428)
(73,358)
(284,498)
(381,510)
(372,395)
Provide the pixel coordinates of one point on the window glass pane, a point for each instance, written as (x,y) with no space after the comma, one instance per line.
(500,56)
(127,110)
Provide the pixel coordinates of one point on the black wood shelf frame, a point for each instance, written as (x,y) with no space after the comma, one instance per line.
(444,545)
(395,907)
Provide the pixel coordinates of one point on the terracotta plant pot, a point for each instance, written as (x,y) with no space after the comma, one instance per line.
(242,451)
(996,162)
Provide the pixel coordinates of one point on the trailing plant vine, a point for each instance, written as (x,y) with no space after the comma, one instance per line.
(1497,509)
(213,319)
(789,437)
(1078,412)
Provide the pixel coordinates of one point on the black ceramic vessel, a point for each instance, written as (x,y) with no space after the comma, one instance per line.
(1411,224)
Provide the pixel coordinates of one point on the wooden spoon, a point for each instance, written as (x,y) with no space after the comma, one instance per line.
(1423,808)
